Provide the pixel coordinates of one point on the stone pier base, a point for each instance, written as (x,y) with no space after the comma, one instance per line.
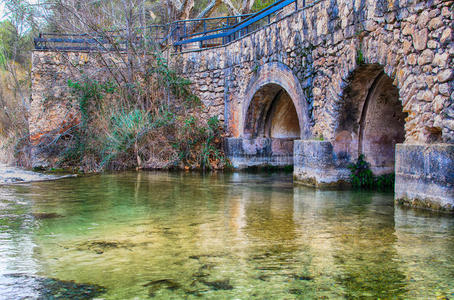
(244,153)
(425,176)
(316,164)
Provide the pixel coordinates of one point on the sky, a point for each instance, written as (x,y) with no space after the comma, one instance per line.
(2,11)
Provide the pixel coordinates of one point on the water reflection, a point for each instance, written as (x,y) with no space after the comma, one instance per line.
(16,242)
(221,235)
(425,246)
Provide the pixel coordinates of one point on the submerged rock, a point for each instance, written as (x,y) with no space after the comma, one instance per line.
(218,284)
(302,277)
(99,247)
(41,216)
(157,285)
(200,256)
(264,277)
(296,292)
(51,288)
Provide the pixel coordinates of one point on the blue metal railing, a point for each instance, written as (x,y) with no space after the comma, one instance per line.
(188,29)
(214,32)
(229,33)
(102,41)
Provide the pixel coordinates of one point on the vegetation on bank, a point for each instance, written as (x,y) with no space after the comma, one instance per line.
(156,126)
(361,177)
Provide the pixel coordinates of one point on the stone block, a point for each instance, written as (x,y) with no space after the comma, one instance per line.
(315,164)
(244,153)
(425,176)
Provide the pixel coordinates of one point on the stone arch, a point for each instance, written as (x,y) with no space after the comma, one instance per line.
(272,114)
(270,80)
(371,119)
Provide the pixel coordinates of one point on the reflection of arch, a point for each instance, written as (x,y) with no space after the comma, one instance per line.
(264,87)
(371,120)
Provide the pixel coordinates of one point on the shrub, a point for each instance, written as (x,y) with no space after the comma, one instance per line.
(361,177)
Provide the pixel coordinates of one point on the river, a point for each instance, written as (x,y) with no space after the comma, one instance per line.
(217,236)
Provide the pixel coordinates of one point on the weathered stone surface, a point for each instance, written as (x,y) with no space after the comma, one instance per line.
(425,96)
(445,75)
(435,23)
(440,60)
(426,57)
(420,39)
(401,51)
(425,176)
(316,164)
(438,104)
(446,36)
(444,89)
(245,153)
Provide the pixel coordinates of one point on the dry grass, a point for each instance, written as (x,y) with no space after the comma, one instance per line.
(14,147)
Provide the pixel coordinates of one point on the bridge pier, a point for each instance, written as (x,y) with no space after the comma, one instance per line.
(244,153)
(425,176)
(424,173)
(317,165)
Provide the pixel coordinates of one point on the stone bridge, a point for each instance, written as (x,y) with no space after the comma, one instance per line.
(324,84)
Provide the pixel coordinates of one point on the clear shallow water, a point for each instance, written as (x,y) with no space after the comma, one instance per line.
(241,236)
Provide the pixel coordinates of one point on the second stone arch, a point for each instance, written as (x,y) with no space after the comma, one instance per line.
(273,114)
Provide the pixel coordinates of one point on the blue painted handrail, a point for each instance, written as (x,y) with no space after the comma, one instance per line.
(264,13)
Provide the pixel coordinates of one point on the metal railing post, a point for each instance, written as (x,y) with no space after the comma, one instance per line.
(204,32)
(296,4)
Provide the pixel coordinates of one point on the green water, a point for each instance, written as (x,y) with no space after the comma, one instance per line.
(218,236)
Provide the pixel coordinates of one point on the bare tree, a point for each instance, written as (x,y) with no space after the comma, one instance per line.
(247,5)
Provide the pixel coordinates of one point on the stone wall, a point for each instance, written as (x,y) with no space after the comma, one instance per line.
(53,108)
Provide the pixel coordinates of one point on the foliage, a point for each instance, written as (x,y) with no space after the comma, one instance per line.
(14,148)
(200,146)
(159,131)
(177,85)
(131,112)
(126,130)
(385,182)
(361,177)
(13,45)
(360,57)
(261,4)
(89,92)
(16,32)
